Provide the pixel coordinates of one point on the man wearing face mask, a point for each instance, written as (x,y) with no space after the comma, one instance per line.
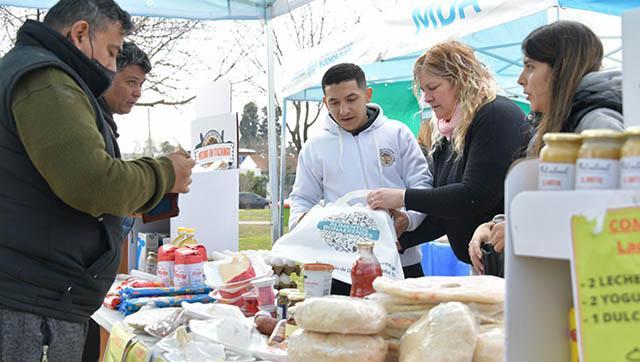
(63,191)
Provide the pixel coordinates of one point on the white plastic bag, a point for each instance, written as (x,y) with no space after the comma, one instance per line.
(330,234)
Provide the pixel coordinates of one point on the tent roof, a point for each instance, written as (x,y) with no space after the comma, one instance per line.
(190,9)
(497,46)
(611,7)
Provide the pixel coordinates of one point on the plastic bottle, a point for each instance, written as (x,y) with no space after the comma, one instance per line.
(364,271)
(188,268)
(166,263)
(182,233)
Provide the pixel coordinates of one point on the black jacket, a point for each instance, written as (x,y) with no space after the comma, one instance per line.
(469,190)
(55,261)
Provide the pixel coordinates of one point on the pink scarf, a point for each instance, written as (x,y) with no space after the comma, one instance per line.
(447,126)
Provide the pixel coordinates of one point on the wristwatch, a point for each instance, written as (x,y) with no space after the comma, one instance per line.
(498,218)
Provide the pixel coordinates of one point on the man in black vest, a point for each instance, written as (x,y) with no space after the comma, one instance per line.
(63,191)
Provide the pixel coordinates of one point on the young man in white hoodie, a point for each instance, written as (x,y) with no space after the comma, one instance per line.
(359,149)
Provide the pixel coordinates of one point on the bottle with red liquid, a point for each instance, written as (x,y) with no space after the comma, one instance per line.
(364,271)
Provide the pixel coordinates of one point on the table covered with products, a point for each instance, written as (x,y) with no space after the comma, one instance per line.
(254,305)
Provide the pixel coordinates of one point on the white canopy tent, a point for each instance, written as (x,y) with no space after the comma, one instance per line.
(264,10)
(387,48)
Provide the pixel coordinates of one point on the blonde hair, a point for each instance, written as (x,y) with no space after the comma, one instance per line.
(474,85)
(424,134)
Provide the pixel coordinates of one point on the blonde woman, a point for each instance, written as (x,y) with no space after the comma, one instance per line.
(478,135)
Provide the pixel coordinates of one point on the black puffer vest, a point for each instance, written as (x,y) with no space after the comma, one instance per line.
(55,261)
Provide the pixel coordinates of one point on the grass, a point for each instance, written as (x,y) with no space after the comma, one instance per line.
(255,215)
(257,236)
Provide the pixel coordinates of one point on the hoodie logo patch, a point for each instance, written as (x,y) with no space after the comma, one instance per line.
(387,157)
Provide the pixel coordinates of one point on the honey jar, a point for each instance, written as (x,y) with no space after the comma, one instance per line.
(597,167)
(630,160)
(557,169)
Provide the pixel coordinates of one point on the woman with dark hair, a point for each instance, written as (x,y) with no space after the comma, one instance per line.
(564,84)
(569,93)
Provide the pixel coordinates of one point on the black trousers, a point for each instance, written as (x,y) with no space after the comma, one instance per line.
(411,271)
(92,343)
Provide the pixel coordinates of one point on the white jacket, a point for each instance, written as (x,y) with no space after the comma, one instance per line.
(333,163)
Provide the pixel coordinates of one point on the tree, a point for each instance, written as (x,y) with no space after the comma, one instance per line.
(165,147)
(263,131)
(249,182)
(305,27)
(169,45)
(249,126)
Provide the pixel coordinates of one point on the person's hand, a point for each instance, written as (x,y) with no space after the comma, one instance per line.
(480,236)
(497,236)
(400,221)
(182,167)
(386,199)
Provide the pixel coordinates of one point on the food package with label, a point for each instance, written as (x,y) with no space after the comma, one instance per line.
(307,346)
(448,333)
(129,293)
(338,314)
(112,300)
(133,305)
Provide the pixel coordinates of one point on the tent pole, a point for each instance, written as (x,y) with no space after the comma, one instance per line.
(273,156)
(283,164)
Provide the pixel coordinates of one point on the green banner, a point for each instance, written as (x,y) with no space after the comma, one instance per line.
(606,270)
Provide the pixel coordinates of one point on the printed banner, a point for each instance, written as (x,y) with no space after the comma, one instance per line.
(606,275)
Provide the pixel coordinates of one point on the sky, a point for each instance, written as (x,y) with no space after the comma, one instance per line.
(173,123)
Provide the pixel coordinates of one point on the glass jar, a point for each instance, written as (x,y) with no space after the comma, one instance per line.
(597,167)
(364,271)
(152,263)
(630,160)
(557,169)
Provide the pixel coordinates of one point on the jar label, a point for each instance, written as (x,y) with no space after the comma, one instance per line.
(630,173)
(556,176)
(596,173)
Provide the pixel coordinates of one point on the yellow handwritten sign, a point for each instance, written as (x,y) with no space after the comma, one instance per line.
(606,269)
(120,340)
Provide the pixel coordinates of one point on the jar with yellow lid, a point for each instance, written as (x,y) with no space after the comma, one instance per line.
(597,166)
(630,160)
(557,170)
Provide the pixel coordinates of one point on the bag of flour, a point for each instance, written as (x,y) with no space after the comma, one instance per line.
(330,234)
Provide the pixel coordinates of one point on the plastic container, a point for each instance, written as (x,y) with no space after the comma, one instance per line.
(264,290)
(232,293)
(364,271)
(597,167)
(250,306)
(317,279)
(166,263)
(238,302)
(271,309)
(188,268)
(630,160)
(557,170)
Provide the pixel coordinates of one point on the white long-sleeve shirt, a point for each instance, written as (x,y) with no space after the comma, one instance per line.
(333,163)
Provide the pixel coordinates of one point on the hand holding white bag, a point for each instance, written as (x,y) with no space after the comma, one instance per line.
(330,234)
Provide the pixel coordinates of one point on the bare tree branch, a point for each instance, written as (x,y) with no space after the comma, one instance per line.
(166,103)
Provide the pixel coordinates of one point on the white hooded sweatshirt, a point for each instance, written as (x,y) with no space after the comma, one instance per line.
(333,163)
